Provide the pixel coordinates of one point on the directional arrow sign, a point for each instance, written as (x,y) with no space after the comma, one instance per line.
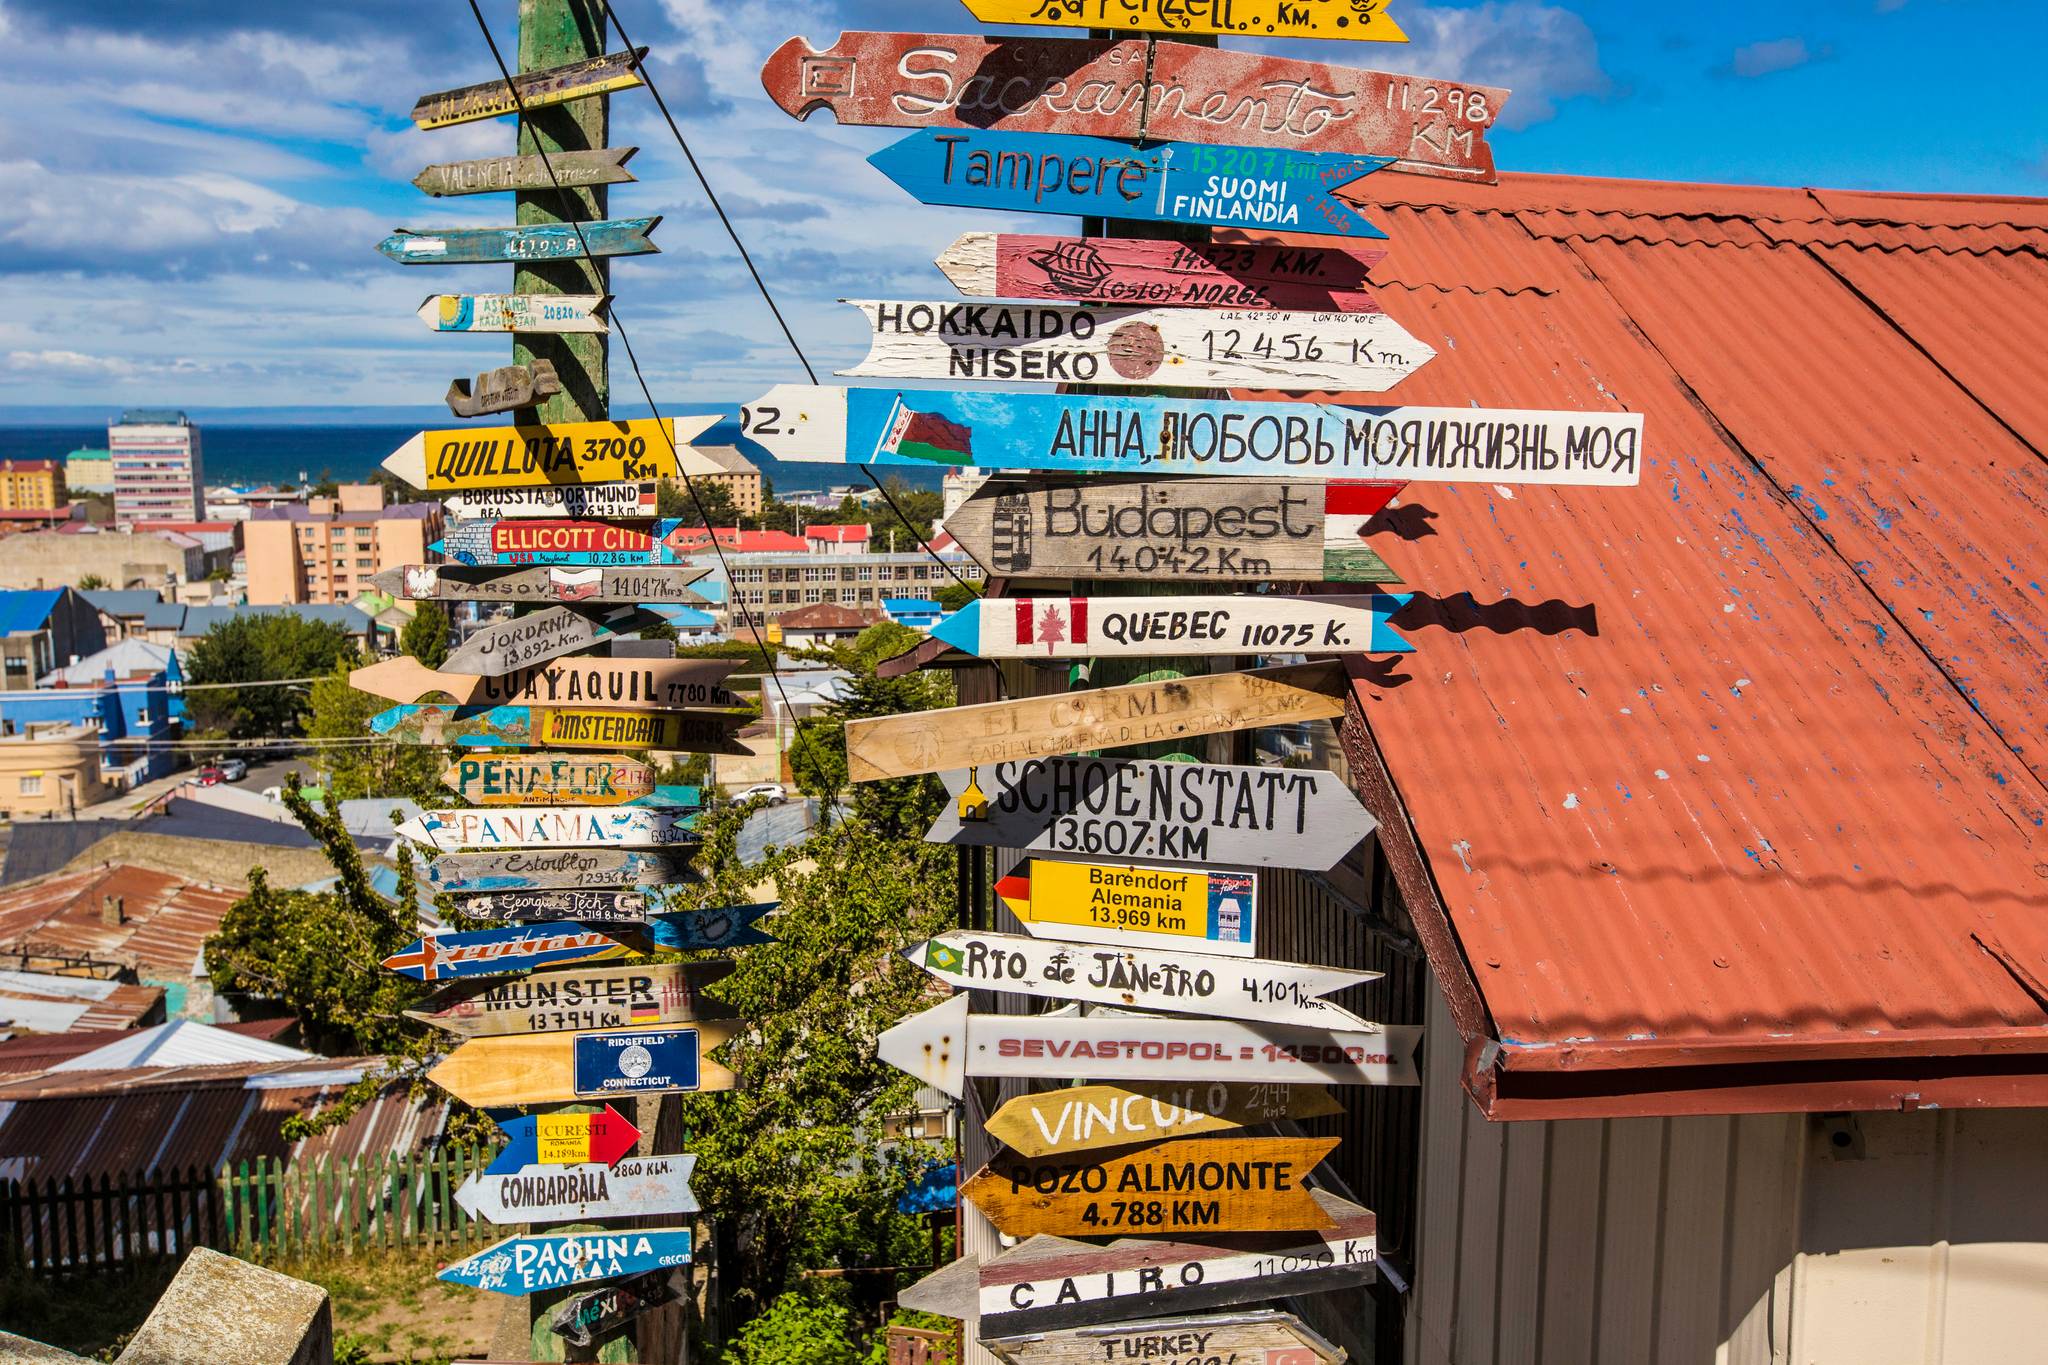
(563,1140)
(526,244)
(504,389)
(1121,809)
(1366,22)
(730,926)
(1149,627)
(557,727)
(1164,908)
(666,583)
(944,1046)
(531,90)
(667,541)
(514,948)
(1188,348)
(582,1318)
(556,453)
(1190,183)
(542,1261)
(586,781)
(559,500)
(1141,978)
(1098,87)
(542,635)
(1193,1185)
(548,826)
(578,998)
(1136,270)
(1186,530)
(1112,434)
(635,1187)
(556,1068)
(568,869)
(570,170)
(515,312)
(530,907)
(672,684)
(1255,1338)
(1105,718)
(1079,1118)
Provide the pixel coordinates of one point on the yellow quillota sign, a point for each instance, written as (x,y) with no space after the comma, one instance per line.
(1356,20)
(561,453)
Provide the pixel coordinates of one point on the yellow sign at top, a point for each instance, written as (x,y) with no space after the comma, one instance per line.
(1355,20)
(560,453)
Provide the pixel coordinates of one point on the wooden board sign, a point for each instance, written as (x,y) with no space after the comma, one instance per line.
(558,500)
(542,1261)
(557,869)
(483,543)
(1261,1337)
(944,1046)
(1082,1118)
(518,781)
(1129,810)
(559,1068)
(495,174)
(1098,88)
(642,583)
(1070,343)
(1171,982)
(513,948)
(548,827)
(670,684)
(557,727)
(554,313)
(1137,270)
(575,999)
(628,908)
(504,389)
(531,90)
(1355,20)
(632,1187)
(1127,906)
(549,633)
(527,244)
(1154,627)
(714,928)
(1192,1185)
(1199,531)
(1103,718)
(556,453)
(1131,434)
(582,1318)
(1192,184)
(578,1139)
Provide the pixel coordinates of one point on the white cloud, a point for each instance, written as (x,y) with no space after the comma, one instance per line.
(1542,53)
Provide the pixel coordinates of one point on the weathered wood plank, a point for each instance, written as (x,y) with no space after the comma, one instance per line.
(1155,627)
(561,869)
(531,90)
(542,635)
(515,312)
(670,684)
(555,727)
(557,453)
(1255,1338)
(575,999)
(636,583)
(504,389)
(1190,1185)
(1079,1118)
(496,174)
(525,244)
(559,1068)
(582,1318)
(1138,270)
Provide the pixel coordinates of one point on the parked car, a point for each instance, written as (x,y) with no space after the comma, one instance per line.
(234,769)
(209,776)
(775,792)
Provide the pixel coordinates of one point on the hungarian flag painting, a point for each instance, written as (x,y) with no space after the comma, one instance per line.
(927,436)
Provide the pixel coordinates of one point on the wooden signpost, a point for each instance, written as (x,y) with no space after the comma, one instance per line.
(555,727)
(534,907)
(1098,88)
(525,244)
(1120,434)
(535,638)
(1105,718)
(944,1045)
(557,869)
(1261,1337)
(574,1139)
(558,453)
(493,174)
(1358,22)
(1193,1185)
(663,583)
(1154,627)
(582,1318)
(1136,270)
(714,929)
(482,543)
(632,1187)
(671,684)
(1190,183)
(503,389)
(576,999)
(514,781)
(558,1068)
(1129,810)
(1118,905)
(558,500)
(1071,343)
(514,948)
(1141,978)
(554,313)
(541,1261)
(1082,1118)
(531,90)
(1198,531)
(549,826)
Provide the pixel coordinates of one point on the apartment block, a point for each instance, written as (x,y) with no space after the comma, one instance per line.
(157,468)
(768,585)
(740,476)
(87,470)
(32,486)
(326,549)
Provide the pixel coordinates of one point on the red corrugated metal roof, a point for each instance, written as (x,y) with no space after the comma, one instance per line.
(1779,823)
(166,918)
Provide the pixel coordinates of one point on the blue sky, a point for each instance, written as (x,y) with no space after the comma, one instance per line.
(195,187)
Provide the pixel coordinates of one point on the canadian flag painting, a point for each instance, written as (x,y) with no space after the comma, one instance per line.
(1052,621)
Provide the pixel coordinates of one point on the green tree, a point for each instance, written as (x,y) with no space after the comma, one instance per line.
(269,648)
(953,596)
(672,499)
(902,807)
(425,637)
(91,582)
(811,1324)
(340,712)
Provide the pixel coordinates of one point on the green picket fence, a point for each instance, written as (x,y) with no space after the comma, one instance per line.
(360,1202)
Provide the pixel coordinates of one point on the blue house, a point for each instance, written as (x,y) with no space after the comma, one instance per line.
(916,612)
(127,695)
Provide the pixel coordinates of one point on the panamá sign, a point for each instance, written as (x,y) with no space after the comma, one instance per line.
(530,907)
(1125,906)
(494,174)
(1355,20)
(556,727)
(716,928)
(525,245)
(645,583)
(575,999)
(1071,343)
(1082,1118)
(512,948)
(1189,183)
(1099,88)
(548,826)
(554,453)
(633,1187)
(559,500)
(551,313)
(483,543)
(558,869)
(546,634)
(1136,270)
(1197,531)
(508,781)
(564,1140)
(1261,1337)
(531,90)
(672,684)
(582,1318)
(558,1068)
(1118,434)
(1123,810)
(1192,1185)
(504,389)
(1104,718)
(1141,978)
(1151,627)
(542,1261)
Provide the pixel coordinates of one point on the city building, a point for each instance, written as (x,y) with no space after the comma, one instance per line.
(122,609)
(737,474)
(822,623)
(34,486)
(326,550)
(221,539)
(114,556)
(735,541)
(837,540)
(919,613)
(49,770)
(768,585)
(176,624)
(89,471)
(158,473)
(44,630)
(957,485)
(124,696)
(235,504)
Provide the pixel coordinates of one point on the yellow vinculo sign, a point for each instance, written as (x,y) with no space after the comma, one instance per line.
(1356,20)
(561,453)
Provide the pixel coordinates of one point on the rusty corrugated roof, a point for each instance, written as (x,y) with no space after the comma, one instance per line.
(1773,838)
(165,918)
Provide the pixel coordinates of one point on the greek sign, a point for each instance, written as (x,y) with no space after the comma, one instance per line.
(549,826)
(1079,1118)
(556,453)
(515,312)
(524,245)
(1150,627)
(1253,1338)
(488,952)
(1192,1185)
(560,1068)
(531,90)
(579,998)
(1357,20)
(570,170)
(541,1261)
(517,781)
(633,1187)
(557,869)
(1135,907)
(665,583)
(557,500)
(1136,270)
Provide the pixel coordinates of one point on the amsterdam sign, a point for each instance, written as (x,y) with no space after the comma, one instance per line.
(1081,1118)
(555,453)
(575,999)
(1165,908)
(1139,270)
(556,727)
(515,312)
(1191,1185)
(559,1068)
(528,244)
(1154,627)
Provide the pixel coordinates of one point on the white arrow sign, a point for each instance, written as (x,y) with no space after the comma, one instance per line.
(1143,978)
(550,826)
(570,1194)
(945,1045)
